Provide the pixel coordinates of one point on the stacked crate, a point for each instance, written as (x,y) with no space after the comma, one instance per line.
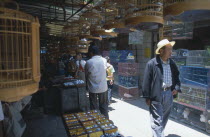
(89,124)
(128,80)
(193,105)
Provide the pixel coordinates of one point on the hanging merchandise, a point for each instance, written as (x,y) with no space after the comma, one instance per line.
(144,14)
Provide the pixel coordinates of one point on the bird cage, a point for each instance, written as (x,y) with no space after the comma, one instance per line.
(92,16)
(121,6)
(98,30)
(72,29)
(165,32)
(149,12)
(82,46)
(176,7)
(19,54)
(108,12)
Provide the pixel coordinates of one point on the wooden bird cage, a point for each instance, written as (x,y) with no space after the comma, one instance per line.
(71,41)
(176,7)
(121,6)
(144,11)
(165,32)
(92,16)
(82,46)
(19,55)
(71,30)
(108,12)
(99,31)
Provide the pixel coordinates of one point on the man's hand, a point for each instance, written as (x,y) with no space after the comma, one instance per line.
(148,102)
(174,92)
(111,82)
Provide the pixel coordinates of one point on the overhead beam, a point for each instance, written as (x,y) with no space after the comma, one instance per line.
(80,9)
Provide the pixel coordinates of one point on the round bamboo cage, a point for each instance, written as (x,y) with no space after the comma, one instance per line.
(71,30)
(144,11)
(98,30)
(83,46)
(176,7)
(109,14)
(95,18)
(121,6)
(92,16)
(19,55)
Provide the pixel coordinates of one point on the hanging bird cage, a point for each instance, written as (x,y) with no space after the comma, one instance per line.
(98,30)
(82,46)
(108,12)
(176,7)
(19,55)
(119,21)
(165,32)
(71,30)
(95,18)
(147,12)
(92,16)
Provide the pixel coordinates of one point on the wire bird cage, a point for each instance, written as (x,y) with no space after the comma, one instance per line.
(200,58)
(19,55)
(144,11)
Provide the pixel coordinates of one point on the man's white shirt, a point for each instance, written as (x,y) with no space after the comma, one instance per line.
(95,71)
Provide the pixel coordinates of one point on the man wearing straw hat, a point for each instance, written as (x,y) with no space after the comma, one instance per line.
(161,82)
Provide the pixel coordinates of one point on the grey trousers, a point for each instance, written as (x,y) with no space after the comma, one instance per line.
(159,113)
(99,101)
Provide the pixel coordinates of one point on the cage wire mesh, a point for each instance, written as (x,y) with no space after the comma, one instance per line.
(19,54)
(199,58)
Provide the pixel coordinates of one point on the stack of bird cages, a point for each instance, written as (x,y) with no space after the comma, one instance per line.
(200,58)
(197,76)
(182,30)
(193,96)
(145,11)
(19,55)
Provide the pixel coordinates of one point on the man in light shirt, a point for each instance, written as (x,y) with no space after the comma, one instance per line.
(95,72)
(80,72)
(1,120)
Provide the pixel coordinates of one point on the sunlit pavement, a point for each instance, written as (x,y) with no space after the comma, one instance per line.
(132,119)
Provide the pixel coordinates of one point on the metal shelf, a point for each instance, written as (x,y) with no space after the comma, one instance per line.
(191,106)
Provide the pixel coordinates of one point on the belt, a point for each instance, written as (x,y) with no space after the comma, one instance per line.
(166,88)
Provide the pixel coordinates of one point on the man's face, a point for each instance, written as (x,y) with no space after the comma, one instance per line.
(167,51)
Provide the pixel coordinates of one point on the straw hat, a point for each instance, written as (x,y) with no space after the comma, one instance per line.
(162,43)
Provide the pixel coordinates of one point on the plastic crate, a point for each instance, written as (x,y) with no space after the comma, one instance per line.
(128,69)
(128,93)
(128,81)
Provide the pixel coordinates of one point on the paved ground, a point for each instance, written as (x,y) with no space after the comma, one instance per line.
(131,117)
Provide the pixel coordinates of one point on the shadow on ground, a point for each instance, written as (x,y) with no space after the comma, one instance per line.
(173,135)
